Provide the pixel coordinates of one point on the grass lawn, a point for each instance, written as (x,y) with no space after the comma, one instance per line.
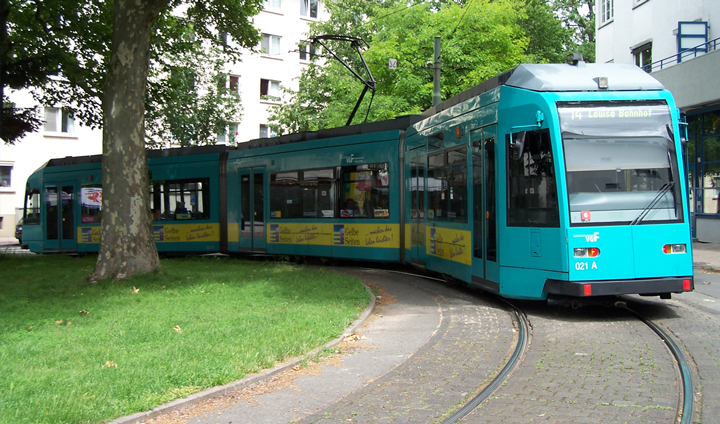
(74,352)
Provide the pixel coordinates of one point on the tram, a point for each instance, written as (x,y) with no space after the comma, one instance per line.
(548,181)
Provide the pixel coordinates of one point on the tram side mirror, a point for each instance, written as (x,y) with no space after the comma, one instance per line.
(518,145)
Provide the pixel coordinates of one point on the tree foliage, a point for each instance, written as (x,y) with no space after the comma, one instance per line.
(579,17)
(480,39)
(61,50)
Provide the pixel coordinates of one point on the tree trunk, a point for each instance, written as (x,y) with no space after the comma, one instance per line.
(127,246)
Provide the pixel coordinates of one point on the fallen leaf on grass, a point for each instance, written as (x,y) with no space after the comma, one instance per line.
(134,290)
(109,364)
(68,323)
(84,312)
(177,328)
(60,321)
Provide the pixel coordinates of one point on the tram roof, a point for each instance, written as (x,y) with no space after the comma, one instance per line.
(546,77)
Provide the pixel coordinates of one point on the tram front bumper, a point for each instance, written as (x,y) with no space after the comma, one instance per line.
(643,286)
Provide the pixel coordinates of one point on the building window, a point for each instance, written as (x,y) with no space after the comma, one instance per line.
(309,8)
(692,37)
(234,83)
(231,137)
(643,56)
(59,120)
(606,12)
(275,5)
(5,172)
(267,132)
(270,45)
(308,51)
(270,90)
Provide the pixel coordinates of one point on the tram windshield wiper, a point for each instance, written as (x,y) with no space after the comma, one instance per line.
(663,190)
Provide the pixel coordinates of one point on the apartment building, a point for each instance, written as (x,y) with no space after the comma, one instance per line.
(679,43)
(257,78)
(282,56)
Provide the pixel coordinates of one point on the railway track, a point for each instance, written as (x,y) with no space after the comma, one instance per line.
(522,325)
(685,397)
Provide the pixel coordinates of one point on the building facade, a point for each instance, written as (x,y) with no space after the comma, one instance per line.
(280,59)
(679,43)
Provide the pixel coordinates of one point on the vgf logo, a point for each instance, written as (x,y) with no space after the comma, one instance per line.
(590,238)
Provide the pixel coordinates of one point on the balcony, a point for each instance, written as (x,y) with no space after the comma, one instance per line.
(683,56)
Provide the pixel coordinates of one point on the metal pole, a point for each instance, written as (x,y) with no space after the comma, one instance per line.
(436,73)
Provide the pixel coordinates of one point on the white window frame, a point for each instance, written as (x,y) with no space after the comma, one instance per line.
(231,135)
(272,5)
(272,93)
(606,11)
(270,45)
(310,51)
(59,120)
(267,132)
(6,182)
(306,9)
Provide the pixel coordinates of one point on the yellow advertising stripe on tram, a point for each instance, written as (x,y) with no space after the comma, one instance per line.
(162,233)
(358,235)
(446,243)
(233,232)
(87,235)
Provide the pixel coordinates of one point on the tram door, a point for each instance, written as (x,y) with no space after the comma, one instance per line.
(486,271)
(417,205)
(60,216)
(252,211)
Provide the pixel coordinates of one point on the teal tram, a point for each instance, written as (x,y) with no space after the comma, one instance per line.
(550,180)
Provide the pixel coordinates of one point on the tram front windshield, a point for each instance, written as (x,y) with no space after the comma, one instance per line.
(620,163)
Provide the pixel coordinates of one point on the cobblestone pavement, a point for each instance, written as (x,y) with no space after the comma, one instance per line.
(470,347)
(697,331)
(587,366)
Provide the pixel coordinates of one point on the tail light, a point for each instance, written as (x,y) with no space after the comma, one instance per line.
(670,249)
(586,252)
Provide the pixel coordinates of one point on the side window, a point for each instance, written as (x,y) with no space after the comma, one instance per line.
(365,191)
(447,185)
(532,188)
(285,195)
(180,199)
(32,207)
(318,193)
(91,204)
(436,186)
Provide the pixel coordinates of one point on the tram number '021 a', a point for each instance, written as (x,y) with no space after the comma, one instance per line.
(584,266)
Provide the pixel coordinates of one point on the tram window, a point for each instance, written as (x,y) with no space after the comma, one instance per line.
(91,202)
(286,195)
(436,186)
(318,193)
(180,199)
(447,185)
(365,191)
(32,207)
(532,188)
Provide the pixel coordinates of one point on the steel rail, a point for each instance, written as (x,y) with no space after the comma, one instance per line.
(523,327)
(685,411)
